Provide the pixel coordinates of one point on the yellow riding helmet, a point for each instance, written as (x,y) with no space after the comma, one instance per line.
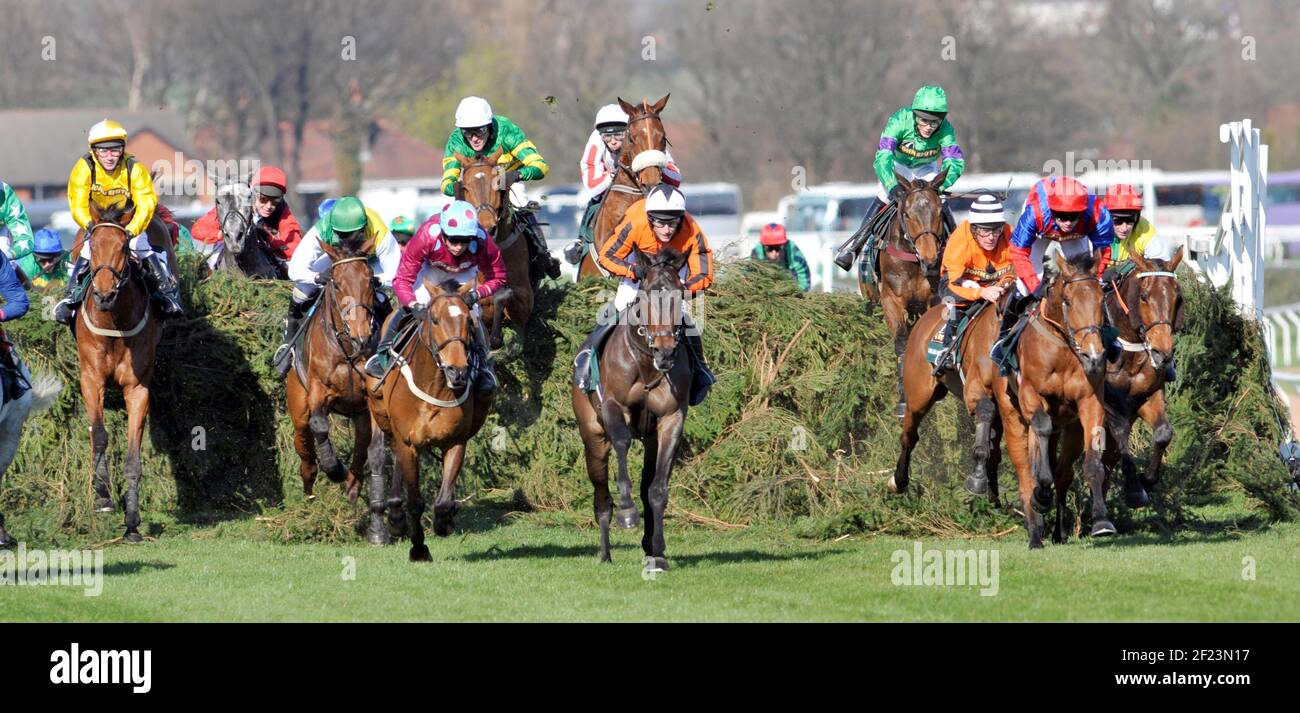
(106,130)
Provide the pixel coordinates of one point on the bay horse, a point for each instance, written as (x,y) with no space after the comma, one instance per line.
(645,133)
(972,382)
(244,251)
(427,400)
(1147,308)
(340,335)
(644,388)
(117,328)
(41,394)
(909,265)
(482,184)
(1056,397)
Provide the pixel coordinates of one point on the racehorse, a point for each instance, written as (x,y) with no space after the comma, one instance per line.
(972,382)
(482,184)
(245,251)
(327,379)
(117,330)
(42,392)
(909,265)
(646,141)
(645,379)
(1147,308)
(427,400)
(1057,397)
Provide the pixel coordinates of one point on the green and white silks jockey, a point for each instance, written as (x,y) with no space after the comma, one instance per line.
(14,217)
(918,142)
(480,132)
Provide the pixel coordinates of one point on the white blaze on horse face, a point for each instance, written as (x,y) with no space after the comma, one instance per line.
(454,310)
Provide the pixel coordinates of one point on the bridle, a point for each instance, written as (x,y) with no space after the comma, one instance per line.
(1141,327)
(626,168)
(106,301)
(1065,329)
(905,235)
(353,348)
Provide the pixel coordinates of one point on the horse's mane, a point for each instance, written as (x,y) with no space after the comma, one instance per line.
(114,213)
(1083,261)
(666,255)
(449,286)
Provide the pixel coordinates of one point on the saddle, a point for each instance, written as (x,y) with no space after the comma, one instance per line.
(968,314)
(1009,362)
(593,363)
(869,265)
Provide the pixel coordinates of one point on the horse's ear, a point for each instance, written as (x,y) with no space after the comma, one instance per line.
(330,251)
(1178,258)
(128,214)
(94,212)
(458,190)
(903,181)
(1140,260)
(659,105)
(460,158)
(496,155)
(627,108)
(937,182)
(1062,266)
(366,247)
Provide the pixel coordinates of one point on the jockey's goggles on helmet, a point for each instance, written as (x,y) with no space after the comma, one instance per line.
(1124,217)
(1067,216)
(664,220)
(619,130)
(478,132)
(459,239)
(351,236)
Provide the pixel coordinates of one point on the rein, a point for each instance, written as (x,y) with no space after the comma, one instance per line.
(405,367)
(911,254)
(352,348)
(1073,344)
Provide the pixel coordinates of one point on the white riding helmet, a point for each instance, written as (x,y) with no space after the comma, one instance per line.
(987,210)
(473,112)
(666,200)
(611,114)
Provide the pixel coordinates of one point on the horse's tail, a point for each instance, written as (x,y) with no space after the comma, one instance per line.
(45,388)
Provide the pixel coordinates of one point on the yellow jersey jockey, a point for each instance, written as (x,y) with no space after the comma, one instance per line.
(110,177)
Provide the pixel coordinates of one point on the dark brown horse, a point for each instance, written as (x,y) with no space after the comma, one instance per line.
(1057,396)
(645,379)
(427,400)
(972,382)
(117,329)
(339,337)
(481,183)
(1147,308)
(645,132)
(909,265)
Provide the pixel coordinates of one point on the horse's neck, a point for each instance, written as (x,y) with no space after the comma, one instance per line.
(1118,314)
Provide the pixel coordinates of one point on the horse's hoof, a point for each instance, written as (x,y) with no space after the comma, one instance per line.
(1103,527)
(1149,483)
(1043,500)
(378,537)
(337,475)
(103,505)
(311,497)
(421,554)
(1136,499)
(627,518)
(977,486)
(132,536)
(893,486)
(443,529)
(5,540)
(1035,544)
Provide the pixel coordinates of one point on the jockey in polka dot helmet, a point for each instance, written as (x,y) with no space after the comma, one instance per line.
(449,246)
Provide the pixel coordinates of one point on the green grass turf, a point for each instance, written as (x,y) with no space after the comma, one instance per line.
(543,567)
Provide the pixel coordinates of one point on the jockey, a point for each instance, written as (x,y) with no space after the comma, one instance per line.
(975,262)
(449,246)
(1133,233)
(272,218)
(403,229)
(656,221)
(46,262)
(109,177)
(597,169)
(11,290)
(14,216)
(480,132)
(918,142)
(348,222)
(774,246)
(1059,209)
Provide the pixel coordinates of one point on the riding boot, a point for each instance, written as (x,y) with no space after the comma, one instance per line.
(377,364)
(582,362)
(1015,307)
(574,251)
(165,288)
(1171,374)
(701,378)
(67,306)
(949,222)
(281,361)
(943,359)
(850,251)
(485,377)
(541,252)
